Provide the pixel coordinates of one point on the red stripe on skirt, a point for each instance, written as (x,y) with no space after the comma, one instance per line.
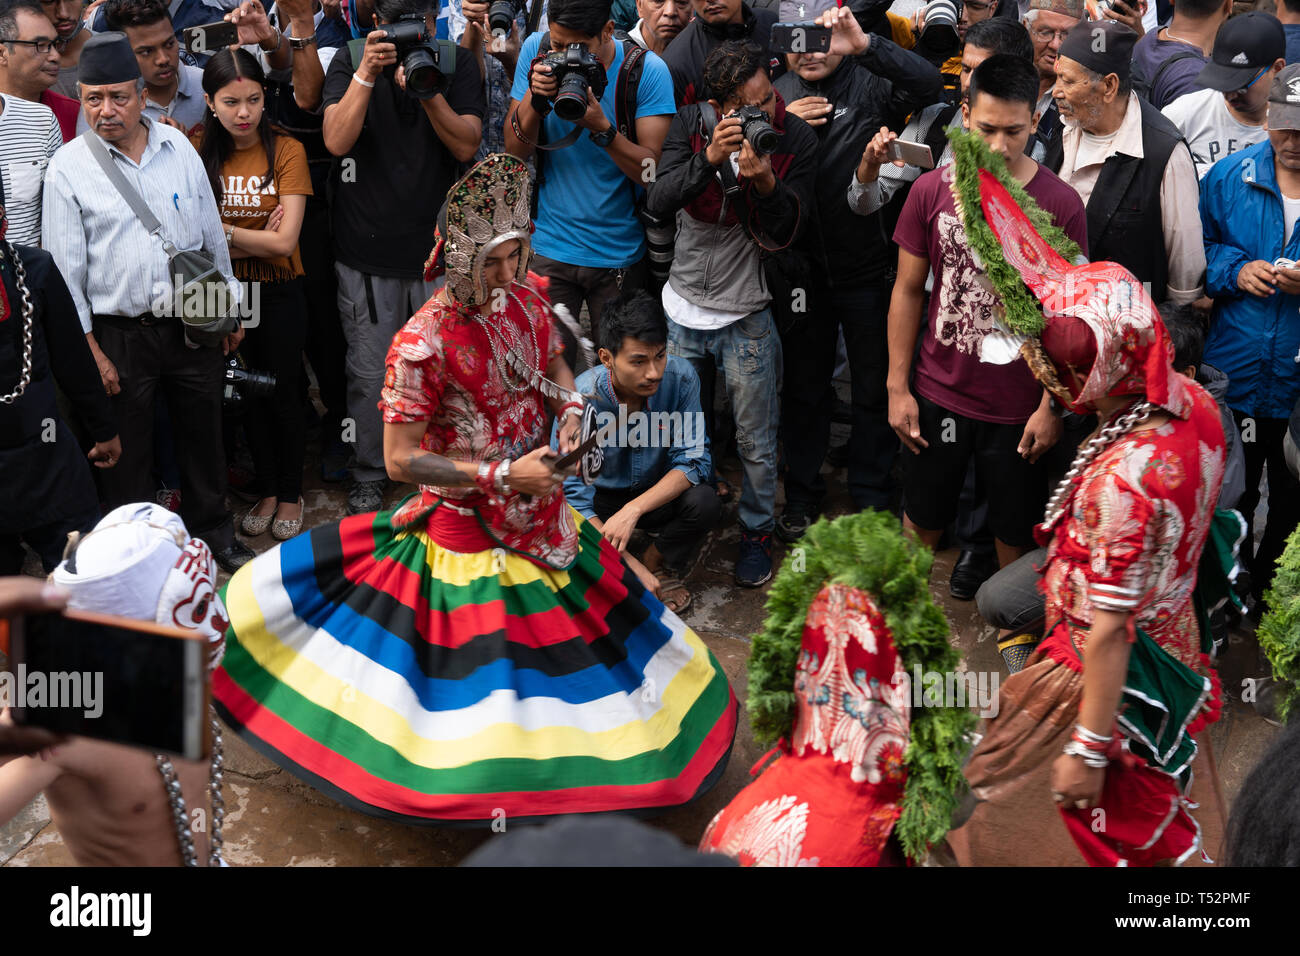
(460,625)
(362,785)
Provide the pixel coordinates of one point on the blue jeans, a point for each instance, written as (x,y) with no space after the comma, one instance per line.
(749,354)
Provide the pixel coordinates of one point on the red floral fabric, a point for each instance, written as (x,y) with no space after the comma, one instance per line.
(832,796)
(441,370)
(1132,535)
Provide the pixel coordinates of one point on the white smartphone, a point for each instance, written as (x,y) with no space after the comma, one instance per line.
(914,154)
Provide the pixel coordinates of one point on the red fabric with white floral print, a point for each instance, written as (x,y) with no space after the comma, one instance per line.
(440,370)
(832,796)
(1132,535)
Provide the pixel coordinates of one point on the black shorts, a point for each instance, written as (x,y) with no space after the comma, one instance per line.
(1016,491)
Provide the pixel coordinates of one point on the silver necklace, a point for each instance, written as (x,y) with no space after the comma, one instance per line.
(173,784)
(525,368)
(1064,493)
(29,311)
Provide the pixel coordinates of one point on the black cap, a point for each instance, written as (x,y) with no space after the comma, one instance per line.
(1102,46)
(1243,46)
(107,58)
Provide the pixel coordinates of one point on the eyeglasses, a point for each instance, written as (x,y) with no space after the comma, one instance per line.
(1045,34)
(978,7)
(1245,89)
(43,47)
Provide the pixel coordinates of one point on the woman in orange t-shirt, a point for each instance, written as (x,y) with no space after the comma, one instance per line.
(261,182)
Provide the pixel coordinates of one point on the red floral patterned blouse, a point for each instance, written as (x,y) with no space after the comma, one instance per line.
(441,370)
(1131,538)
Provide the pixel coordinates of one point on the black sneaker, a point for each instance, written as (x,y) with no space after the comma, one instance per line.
(366,496)
(754,566)
(792,524)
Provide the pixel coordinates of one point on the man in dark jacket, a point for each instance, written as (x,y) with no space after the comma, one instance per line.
(734,203)
(48,491)
(1126,161)
(865,83)
(714,22)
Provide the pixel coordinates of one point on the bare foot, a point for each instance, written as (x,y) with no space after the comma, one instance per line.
(289,510)
(265,508)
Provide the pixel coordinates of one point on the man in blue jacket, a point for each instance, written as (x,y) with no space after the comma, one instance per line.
(1250,204)
(655,444)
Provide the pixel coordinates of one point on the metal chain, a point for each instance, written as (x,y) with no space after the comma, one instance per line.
(492,332)
(29,311)
(179,816)
(1063,494)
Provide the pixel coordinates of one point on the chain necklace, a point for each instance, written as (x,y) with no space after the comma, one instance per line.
(511,343)
(527,375)
(1064,492)
(29,311)
(183,835)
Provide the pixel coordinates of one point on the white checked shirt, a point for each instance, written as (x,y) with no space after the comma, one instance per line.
(110,262)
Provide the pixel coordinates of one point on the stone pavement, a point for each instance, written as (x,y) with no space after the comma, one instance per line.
(273,819)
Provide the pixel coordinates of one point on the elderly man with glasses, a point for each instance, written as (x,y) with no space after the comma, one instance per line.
(1048,21)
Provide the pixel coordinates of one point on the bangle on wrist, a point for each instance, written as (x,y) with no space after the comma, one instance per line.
(279,42)
(567,407)
(356,78)
(485,476)
(501,480)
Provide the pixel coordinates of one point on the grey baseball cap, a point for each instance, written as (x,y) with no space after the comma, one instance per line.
(1284,99)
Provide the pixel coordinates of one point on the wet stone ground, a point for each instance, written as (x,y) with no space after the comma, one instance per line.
(273,819)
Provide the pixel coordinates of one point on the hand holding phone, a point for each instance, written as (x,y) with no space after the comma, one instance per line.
(913,154)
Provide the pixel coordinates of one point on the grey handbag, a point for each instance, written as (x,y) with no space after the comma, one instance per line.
(203,299)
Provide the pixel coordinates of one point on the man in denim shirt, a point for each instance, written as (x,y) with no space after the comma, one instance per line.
(656,452)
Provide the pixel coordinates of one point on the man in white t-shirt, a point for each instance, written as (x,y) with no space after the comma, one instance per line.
(1249,51)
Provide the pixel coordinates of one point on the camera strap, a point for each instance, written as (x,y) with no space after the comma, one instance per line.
(731,188)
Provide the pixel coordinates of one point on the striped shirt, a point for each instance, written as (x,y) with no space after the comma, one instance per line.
(29,136)
(110,262)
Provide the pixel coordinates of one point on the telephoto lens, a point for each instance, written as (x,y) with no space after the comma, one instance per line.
(660,235)
(939,39)
(940,13)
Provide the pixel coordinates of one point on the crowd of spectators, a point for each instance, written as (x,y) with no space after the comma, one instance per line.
(726,217)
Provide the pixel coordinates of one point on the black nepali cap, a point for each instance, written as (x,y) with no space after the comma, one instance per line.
(1243,47)
(1103,46)
(107,58)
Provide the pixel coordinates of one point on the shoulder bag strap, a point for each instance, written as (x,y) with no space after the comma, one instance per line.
(127,191)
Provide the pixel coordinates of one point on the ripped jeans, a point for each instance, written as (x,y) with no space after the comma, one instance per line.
(749,354)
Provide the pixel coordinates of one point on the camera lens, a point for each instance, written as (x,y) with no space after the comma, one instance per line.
(571,99)
(423,78)
(762,137)
(501,16)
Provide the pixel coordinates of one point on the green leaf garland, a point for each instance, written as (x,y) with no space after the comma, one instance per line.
(971,154)
(867,551)
(1279,629)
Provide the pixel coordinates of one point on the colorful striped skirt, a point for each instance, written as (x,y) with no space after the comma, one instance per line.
(431,686)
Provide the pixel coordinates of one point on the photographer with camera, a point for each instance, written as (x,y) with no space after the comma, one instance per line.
(572,80)
(847,95)
(738,172)
(261,183)
(490,30)
(402,111)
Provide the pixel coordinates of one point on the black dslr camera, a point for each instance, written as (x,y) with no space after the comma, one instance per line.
(429,63)
(577,69)
(501,16)
(757,130)
(242,384)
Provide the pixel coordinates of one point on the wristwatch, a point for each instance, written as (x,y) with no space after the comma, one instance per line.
(302,44)
(604,137)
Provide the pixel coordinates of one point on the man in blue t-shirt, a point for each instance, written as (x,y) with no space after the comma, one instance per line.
(588,240)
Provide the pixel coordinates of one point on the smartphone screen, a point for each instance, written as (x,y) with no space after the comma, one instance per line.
(800,38)
(210,37)
(112,678)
